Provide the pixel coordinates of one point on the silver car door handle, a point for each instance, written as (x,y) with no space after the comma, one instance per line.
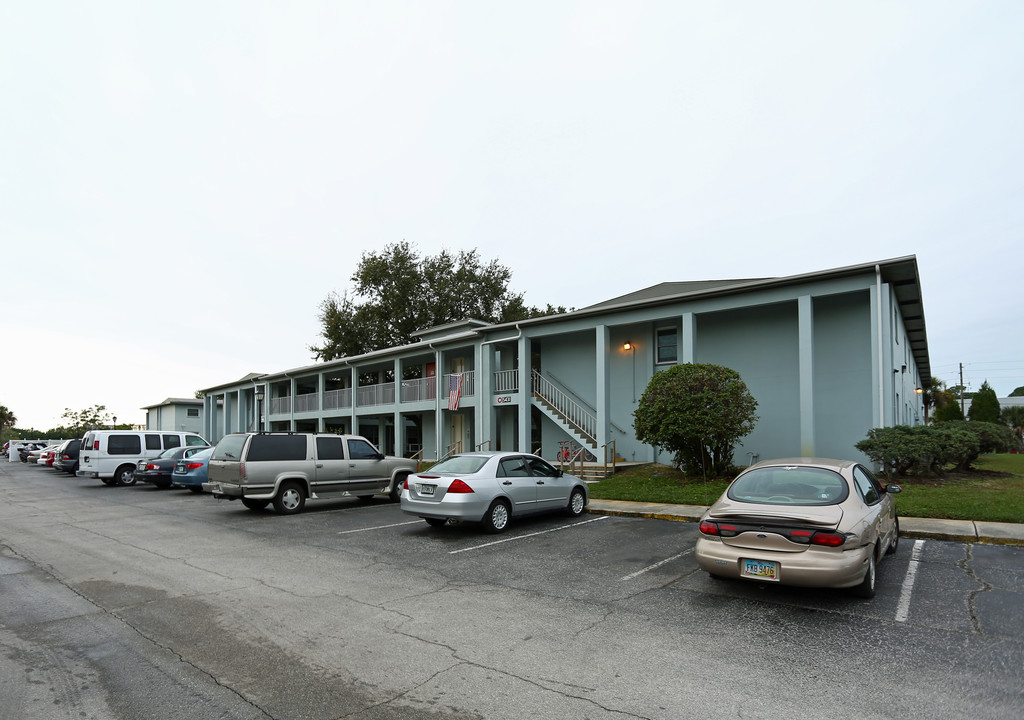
(319,465)
(540,482)
(507,482)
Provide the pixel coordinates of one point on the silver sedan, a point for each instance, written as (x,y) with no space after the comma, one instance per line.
(491,488)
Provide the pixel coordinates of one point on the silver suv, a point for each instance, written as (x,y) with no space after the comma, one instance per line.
(288,468)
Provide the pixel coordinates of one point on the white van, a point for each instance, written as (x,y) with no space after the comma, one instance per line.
(111,455)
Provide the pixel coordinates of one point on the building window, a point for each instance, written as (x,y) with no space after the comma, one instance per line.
(193,412)
(667,346)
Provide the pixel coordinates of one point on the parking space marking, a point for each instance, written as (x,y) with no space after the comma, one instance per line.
(655,565)
(379,527)
(528,535)
(903,608)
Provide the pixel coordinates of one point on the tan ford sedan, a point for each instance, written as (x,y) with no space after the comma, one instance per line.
(812,522)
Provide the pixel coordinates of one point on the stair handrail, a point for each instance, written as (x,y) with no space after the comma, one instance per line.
(614,455)
(575,414)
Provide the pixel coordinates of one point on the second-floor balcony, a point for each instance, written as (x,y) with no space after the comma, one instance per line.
(383,394)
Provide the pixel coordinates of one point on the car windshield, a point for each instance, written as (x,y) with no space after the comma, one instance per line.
(789,485)
(463,464)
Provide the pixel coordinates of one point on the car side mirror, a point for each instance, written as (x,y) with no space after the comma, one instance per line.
(893,489)
(381,456)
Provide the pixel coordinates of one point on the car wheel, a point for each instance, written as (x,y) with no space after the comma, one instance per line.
(866,589)
(196,488)
(895,539)
(496,519)
(255,504)
(396,492)
(290,499)
(125,475)
(436,522)
(577,501)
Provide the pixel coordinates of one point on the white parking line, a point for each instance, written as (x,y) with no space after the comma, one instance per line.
(655,565)
(903,608)
(378,527)
(521,537)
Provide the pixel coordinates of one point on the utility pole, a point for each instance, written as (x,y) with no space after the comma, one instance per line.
(962,412)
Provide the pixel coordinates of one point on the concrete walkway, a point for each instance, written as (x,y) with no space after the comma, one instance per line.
(956,530)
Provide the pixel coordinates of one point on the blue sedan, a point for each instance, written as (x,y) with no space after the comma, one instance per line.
(190,472)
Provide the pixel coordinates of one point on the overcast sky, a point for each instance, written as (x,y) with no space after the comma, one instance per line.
(182,183)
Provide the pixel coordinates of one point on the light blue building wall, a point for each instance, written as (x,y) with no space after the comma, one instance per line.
(827,355)
(181,414)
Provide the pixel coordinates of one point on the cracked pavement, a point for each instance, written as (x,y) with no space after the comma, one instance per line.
(136,602)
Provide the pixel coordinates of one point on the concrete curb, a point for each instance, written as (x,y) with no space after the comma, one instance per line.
(922,528)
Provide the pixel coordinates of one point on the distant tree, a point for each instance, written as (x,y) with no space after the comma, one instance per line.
(1017,392)
(947,402)
(984,405)
(1014,417)
(7,419)
(698,412)
(78,421)
(397,293)
(931,394)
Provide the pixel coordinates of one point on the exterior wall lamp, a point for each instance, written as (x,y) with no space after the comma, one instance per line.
(632,347)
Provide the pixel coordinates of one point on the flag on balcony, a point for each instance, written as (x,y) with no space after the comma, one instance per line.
(454,390)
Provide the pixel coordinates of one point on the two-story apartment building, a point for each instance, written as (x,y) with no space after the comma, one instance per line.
(828,355)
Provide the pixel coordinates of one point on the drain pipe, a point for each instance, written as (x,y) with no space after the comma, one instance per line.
(881,356)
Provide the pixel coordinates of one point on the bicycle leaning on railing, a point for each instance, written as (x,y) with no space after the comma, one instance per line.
(568,452)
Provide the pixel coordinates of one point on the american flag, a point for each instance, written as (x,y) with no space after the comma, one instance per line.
(454,390)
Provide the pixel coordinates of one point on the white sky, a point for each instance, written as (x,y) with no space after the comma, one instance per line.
(182,183)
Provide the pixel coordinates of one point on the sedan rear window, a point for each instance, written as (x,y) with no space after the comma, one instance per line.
(464,464)
(789,485)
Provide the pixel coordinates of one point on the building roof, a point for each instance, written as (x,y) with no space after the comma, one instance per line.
(175,401)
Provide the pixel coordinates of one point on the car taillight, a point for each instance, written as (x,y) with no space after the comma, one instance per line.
(458,486)
(151,466)
(193,466)
(713,528)
(405,483)
(65,457)
(828,539)
(241,470)
(96,445)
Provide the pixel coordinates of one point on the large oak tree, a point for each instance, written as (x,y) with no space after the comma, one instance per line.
(397,293)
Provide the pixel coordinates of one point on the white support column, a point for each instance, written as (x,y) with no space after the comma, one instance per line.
(688,339)
(806,371)
(485,395)
(399,424)
(526,393)
(602,337)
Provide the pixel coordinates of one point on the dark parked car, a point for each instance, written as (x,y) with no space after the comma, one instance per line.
(67,456)
(159,470)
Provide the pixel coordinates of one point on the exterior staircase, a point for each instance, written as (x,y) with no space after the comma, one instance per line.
(578,422)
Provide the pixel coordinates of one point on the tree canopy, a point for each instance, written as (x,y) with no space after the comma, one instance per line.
(985,405)
(696,411)
(1017,392)
(7,419)
(398,293)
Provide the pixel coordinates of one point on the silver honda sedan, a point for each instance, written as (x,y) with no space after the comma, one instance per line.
(491,488)
(803,521)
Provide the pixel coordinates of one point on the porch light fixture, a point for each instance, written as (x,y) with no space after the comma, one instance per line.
(632,347)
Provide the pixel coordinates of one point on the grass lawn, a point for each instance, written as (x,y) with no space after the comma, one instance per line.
(993,492)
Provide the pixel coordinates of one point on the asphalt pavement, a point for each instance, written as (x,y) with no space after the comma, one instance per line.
(931,529)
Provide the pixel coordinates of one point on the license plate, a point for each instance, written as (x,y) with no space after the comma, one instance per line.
(427,489)
(179,468)
(760,569)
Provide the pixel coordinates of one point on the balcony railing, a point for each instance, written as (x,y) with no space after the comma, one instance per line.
(506,381)
(281,405)
(419,389)
(337,399)
(370,395)
(307,403)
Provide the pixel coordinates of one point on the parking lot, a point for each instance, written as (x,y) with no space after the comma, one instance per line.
(140,602)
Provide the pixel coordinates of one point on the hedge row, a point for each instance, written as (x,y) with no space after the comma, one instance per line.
(902,450)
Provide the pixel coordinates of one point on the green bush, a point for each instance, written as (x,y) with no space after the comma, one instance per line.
(698,412)
(902,450)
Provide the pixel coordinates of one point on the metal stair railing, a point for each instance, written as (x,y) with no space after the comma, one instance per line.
(574,414)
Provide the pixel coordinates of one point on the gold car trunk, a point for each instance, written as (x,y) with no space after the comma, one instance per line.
(764,528)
